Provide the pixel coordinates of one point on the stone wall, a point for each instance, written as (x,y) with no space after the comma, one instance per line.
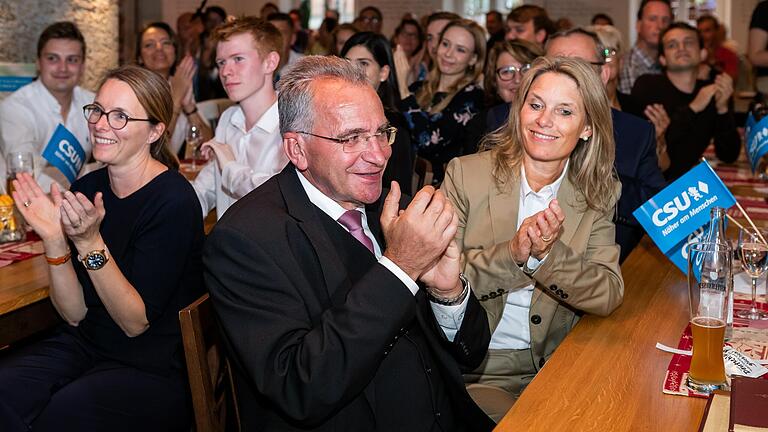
(22,21)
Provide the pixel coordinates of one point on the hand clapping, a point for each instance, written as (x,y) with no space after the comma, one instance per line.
(418,236)
(537,234)
(60,214)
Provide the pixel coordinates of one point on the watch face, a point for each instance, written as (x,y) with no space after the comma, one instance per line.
(95,260)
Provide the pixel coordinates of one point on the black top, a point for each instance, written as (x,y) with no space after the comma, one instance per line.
(155,236)
(452,132)
(760,21)
(689,133)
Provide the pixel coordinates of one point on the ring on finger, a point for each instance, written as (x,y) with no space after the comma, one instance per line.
(546,238)
(27,203)
(77,225)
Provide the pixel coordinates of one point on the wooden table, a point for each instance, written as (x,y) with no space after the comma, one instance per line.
(24,305)
(607,374)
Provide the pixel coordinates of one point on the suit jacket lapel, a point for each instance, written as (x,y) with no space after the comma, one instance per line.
(570,200)
(503,206)
(568,197)
(334,273)
(301,208)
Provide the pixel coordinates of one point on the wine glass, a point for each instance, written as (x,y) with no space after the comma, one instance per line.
(194,140)
(754,261)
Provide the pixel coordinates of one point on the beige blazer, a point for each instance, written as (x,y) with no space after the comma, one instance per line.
(580,274)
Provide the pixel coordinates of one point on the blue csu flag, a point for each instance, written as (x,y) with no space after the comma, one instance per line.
(677,215)
(757,139)
(65,152)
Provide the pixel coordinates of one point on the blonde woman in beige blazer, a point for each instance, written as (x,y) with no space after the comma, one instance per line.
(557,261)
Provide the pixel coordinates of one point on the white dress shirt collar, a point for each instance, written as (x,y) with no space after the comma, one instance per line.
(268,122)
(548,190)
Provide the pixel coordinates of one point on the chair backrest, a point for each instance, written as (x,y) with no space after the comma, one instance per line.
(210,376)
(211,110)
(422,174)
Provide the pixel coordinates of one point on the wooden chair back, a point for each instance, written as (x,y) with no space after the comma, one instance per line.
(210,376)
(422,174)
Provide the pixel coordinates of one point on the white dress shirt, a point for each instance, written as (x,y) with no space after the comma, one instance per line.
(28,118)
(514,330)
(449,317)
(258,156)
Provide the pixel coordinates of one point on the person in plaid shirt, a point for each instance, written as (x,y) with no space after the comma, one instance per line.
(653,17)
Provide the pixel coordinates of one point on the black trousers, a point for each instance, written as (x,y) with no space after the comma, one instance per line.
(60,384)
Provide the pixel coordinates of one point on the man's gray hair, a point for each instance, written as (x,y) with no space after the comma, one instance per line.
(599,48)
(295,98)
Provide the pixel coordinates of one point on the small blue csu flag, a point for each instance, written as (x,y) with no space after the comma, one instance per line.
(756,143)
(679,214)
(65,152)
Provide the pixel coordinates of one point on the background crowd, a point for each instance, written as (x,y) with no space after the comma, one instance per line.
(561,132)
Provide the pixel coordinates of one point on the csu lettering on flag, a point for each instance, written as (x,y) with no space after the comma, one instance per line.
(65,152)
(70,153)
(678,215)
(678,204)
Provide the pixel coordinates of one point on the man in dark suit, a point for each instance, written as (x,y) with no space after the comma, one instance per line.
(326,331)
(636,161)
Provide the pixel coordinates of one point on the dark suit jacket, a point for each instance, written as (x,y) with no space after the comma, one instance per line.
(639,173)
(497,116)
(322,336)
(636,164)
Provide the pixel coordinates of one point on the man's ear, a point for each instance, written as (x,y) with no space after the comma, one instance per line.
(662,59)
(293,146)
(541,36)
(271,61)
(605,74)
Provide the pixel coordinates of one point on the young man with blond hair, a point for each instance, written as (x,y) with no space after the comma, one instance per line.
(246,149)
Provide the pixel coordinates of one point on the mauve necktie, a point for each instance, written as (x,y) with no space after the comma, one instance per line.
(353,221)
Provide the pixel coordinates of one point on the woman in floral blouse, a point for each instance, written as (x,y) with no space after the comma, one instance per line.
(444,111)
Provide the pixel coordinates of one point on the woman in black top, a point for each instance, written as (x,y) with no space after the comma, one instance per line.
(443,111)
(136,230)
(372,52)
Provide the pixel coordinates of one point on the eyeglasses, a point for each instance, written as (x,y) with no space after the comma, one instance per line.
(116,119)
(359,142)
(508,73)
(609,54)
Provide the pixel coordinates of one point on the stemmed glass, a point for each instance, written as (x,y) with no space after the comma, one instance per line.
(754,261)
(194,140)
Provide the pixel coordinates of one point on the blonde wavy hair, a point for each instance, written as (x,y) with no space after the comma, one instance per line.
(471,75)
(590,166)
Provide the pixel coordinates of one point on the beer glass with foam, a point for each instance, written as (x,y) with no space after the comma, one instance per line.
(709,270)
